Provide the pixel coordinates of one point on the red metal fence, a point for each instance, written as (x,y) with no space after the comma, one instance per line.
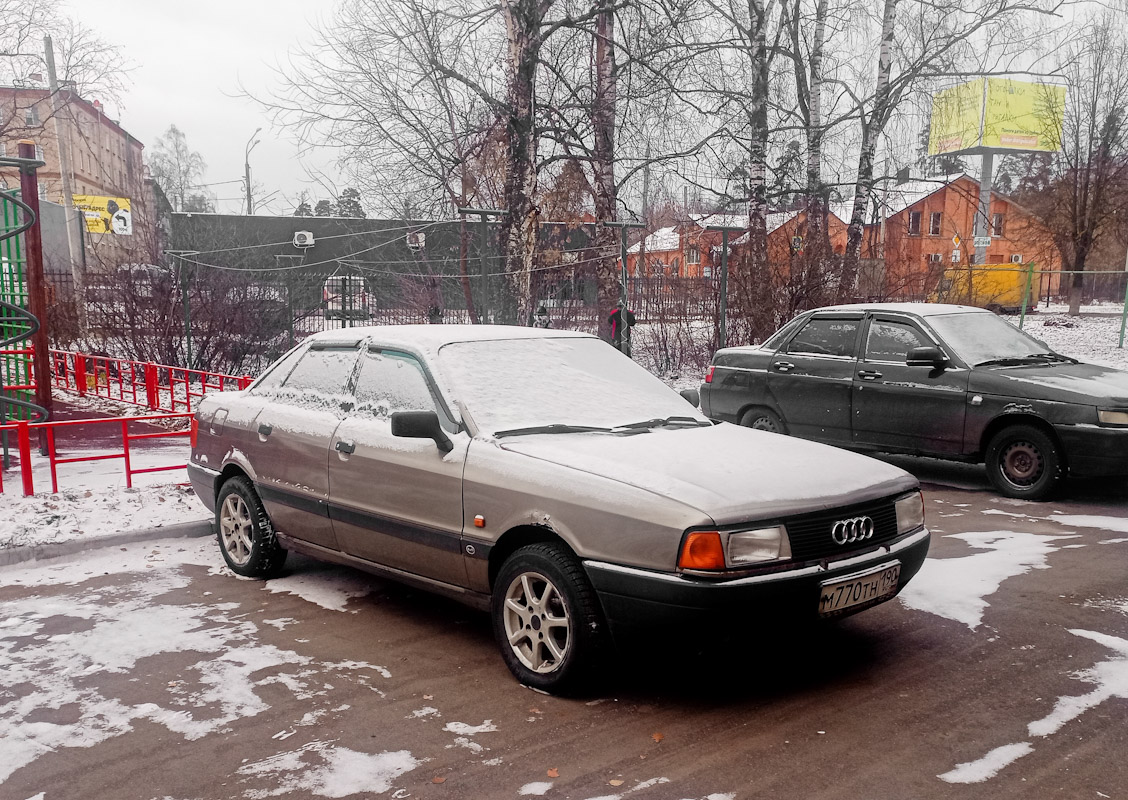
(158,387)
(23,431)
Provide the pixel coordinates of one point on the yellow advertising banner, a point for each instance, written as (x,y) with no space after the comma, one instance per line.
(1023,116)
(105,214)
(997,114)
(957,115)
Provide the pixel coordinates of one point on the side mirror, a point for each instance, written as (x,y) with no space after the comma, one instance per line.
(926,357)
(421,425)
(692,395)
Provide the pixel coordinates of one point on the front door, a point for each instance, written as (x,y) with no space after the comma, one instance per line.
(810,377)
(397,501)
(914,409)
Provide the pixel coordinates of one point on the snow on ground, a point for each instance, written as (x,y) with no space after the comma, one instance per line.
(1094,339)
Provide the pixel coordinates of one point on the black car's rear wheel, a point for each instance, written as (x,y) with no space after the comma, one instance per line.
(1023,462)
(763,419)
(547,619)
(245,533)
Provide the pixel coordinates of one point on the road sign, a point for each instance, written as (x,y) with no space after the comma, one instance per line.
(982,241)
(956,240)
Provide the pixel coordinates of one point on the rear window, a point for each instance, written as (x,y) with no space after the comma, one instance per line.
(823,336)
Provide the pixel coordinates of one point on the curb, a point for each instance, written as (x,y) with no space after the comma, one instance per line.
(38,552)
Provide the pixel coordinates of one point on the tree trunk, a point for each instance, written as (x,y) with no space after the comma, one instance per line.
(871,131)
(604,192)
(816,248)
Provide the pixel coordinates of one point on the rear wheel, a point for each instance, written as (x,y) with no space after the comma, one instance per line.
(547,619)
(763,419)
(245,533)
(1023,462)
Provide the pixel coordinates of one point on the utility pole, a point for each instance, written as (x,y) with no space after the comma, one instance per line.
(62,138)
(247,169)
(623,227)
(725,231)
(485,311)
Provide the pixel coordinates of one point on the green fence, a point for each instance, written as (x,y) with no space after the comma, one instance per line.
(15,367)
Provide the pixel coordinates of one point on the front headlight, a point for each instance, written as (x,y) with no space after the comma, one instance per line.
(910,512)
(758,546)
(1108,416)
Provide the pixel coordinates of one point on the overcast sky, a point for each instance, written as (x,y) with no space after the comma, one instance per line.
(190,60)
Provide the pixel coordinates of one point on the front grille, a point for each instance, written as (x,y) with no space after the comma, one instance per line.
(810,533)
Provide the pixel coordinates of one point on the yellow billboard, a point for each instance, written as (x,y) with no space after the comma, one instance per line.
(957,114)
(105,214)
(996,114)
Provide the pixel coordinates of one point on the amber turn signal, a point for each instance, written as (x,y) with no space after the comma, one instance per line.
(479,521)
(702,550)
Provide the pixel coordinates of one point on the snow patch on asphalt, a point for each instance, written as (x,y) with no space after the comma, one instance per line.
(462,729)
(989,765)
(536,788)
(325,770)
(957,588)
(325,585)
(1110,678)
(1111,524)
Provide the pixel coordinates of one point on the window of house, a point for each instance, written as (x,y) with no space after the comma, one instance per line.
(998,224)
(39,152)
(934,220)
(914,223)
(674,267)
(31,116)
(692,255)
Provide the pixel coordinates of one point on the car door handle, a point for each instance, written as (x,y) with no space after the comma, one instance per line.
(343,446)
(783,366)
(869,375)
(266,430)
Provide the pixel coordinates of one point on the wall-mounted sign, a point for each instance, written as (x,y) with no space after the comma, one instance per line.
(105,214)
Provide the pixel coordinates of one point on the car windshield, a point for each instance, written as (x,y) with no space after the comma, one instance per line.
(559,385)
(987,337)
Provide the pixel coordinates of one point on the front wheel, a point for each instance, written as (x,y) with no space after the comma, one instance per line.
(1023,462)
(547,619)
(245,533)
(763,419)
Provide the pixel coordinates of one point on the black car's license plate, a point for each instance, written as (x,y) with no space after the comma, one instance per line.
(859,588)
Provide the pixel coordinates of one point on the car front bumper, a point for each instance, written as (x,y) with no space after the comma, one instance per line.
(1094,451)
(636,598)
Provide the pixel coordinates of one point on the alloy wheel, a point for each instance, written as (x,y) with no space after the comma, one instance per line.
(537,625)
(237,529)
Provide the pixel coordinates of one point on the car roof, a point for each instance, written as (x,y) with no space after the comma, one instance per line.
(920,309)
(429,338)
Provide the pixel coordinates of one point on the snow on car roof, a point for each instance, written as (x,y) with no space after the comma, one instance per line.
(430,338)
(920,309)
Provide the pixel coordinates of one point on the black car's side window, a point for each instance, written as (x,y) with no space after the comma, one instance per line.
(320,379)
(826,337)
(892,341)
(391,381)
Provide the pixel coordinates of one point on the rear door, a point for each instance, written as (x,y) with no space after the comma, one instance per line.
(290,450)
(398,501)
(811,377)
(916,409)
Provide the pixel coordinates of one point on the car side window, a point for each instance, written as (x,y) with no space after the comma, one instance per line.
(892,341)
(320,379)
(826,337)
(269,383)
(392,381)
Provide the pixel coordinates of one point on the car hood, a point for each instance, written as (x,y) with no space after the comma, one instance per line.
(1064,383)
(728,472)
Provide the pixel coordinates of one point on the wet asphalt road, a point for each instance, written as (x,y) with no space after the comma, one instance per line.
(152,672)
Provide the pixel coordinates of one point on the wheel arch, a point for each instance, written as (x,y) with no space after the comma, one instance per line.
(760,404)
(517,537)
(1008,420)
(230,471)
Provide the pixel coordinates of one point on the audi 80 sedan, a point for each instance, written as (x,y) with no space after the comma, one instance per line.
(546,478)
(937,380)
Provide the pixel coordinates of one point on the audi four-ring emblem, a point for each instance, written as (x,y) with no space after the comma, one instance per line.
(857,529)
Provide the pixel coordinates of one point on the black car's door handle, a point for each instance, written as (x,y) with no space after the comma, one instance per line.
(783,366)
(869,375)
(345,447)
(266,430)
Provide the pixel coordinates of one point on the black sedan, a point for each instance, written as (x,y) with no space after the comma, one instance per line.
(929,379)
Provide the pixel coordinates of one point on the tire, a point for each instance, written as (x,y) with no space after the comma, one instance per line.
(1023,462)
(547,619)
(763,419)
(245,533)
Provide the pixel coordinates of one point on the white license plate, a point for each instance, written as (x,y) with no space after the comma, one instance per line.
(859,588)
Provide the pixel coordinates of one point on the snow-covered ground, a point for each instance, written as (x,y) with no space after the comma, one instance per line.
(93,501)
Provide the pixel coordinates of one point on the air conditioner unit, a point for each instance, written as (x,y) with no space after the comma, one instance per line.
(1016,258)
(303,239)
(934,258)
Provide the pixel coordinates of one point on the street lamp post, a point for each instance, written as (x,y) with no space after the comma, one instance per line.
(247,169)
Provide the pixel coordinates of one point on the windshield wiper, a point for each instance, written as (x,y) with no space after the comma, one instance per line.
(1011,361)
(554,428)
(1058,357)
(658,422)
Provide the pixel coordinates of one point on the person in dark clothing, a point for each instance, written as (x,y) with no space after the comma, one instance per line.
(621,320)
